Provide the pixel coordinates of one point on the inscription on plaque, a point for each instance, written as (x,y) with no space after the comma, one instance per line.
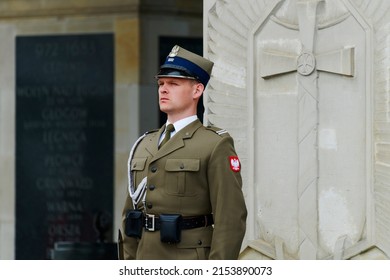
(64,139)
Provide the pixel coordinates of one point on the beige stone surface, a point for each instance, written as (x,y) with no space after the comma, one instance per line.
(127,42)
(14,9)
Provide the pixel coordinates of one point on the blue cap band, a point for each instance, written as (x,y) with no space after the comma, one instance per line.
(189,67)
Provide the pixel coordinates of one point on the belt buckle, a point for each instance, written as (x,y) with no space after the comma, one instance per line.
(152,219)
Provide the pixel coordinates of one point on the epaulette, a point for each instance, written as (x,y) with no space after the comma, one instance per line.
(217,130)
(151,131)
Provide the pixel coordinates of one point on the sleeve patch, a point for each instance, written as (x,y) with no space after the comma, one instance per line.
(235,164)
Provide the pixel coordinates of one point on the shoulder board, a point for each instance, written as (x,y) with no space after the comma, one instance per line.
(217,130)
(151,131)
(138,141)
(143,136)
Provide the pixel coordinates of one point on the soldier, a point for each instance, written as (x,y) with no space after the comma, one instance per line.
(185,197)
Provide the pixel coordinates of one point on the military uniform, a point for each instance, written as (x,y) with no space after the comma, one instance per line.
(192,175)
(189,190)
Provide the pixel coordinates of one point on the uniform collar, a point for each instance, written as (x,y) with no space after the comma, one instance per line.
(174,144)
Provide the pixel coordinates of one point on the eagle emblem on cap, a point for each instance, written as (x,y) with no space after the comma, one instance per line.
(174,51)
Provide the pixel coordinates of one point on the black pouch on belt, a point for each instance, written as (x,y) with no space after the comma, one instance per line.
(170,231)
(134,223)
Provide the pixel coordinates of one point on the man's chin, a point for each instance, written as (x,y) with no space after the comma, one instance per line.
(164,109)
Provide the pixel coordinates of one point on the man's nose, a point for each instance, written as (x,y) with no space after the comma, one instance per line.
(163,89)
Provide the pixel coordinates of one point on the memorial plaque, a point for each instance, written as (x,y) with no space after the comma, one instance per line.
(64,140)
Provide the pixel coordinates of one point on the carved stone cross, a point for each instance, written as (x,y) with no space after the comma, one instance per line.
(337,62)
(307,64)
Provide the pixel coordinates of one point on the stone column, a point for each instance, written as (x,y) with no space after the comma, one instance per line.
(310,80)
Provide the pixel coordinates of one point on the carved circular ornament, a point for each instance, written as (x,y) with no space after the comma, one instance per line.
(306,63)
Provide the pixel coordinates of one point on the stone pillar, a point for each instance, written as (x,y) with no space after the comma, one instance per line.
(310,79)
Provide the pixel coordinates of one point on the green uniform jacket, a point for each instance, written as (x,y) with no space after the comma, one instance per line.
(190,175)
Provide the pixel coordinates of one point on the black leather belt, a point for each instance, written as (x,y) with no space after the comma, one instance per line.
(152,222)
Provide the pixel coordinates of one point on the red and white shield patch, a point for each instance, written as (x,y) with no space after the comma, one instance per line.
(235,164)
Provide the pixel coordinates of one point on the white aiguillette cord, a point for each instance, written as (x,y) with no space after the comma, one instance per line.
(140,192)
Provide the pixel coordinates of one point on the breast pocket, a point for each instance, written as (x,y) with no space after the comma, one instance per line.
(178,174)
(137,167)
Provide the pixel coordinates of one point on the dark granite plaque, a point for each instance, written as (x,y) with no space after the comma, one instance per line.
(64,140)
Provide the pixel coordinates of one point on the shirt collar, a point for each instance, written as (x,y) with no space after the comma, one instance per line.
(179,125)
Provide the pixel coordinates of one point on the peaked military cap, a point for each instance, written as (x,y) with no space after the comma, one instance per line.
(181,63)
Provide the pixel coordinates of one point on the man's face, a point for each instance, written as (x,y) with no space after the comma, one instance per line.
(177,96)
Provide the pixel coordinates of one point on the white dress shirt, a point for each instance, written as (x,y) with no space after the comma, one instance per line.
(179,125)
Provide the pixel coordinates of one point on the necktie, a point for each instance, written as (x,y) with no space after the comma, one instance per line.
(167,136)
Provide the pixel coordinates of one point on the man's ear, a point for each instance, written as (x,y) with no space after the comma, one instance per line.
(199,88)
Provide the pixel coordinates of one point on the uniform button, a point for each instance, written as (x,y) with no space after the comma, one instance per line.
(149,205)
(181,166)
(199,242)
(151,187)
(153,169)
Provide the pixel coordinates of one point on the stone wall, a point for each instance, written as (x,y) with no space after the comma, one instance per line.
(303,88)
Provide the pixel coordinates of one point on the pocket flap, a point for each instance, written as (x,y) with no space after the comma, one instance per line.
(138,164)
(182,165)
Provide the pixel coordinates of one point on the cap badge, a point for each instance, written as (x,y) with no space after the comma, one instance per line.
(174,51)
(235,163)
